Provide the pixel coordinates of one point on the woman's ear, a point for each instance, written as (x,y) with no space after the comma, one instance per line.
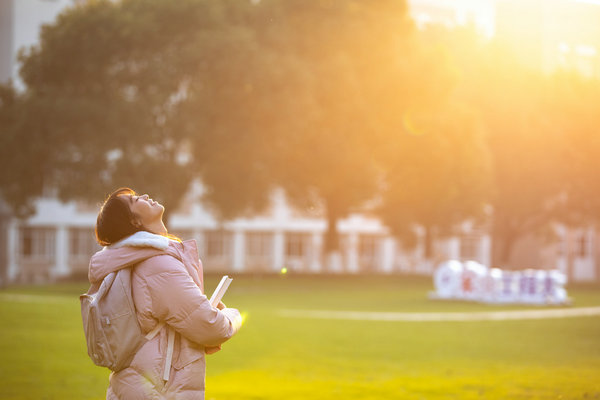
(135,221)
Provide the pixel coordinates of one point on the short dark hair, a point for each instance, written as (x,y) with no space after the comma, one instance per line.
(115,219)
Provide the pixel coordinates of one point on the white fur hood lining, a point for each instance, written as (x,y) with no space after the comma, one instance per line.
(143,239)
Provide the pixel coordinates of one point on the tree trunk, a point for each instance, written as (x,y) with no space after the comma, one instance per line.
(570,252)
(331,236)
(507,246)
(428,243)
(503,244)
(503,239)
(3,247)
(596,255)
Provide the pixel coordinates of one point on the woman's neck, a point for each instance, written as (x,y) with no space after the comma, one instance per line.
(157,227)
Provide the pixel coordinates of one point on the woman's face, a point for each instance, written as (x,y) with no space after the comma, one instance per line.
(146,210)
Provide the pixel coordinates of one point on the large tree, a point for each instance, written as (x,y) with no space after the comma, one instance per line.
(355,69)
(440,179)
(438,176)
(106,97)
(529,152)
(572,103)
(573,106)
(522,112)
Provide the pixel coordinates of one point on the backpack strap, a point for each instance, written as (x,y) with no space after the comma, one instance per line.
(170,337)
(150,335)
(170,343)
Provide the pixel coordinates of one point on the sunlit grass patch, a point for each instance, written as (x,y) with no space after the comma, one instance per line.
(44,356)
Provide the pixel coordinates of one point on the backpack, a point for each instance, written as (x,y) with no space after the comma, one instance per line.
(112,331)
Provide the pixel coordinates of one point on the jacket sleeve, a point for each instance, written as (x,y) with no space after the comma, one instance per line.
(176,299)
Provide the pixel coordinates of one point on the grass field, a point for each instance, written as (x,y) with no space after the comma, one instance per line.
(43,353)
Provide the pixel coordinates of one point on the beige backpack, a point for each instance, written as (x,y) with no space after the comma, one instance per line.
(112,331)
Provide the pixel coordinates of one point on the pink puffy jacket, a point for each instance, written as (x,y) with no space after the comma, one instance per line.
(167,285)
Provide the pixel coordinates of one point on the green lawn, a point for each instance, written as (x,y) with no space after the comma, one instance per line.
(44,357)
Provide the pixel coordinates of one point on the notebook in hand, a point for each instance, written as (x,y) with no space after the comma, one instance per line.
(220,290)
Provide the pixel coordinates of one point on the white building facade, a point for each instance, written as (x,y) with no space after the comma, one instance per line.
(20,24)
(58,241)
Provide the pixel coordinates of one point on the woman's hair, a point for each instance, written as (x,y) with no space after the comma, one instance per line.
(115,219)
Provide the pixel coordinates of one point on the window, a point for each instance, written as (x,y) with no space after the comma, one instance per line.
(562,246)
(583,244)
(259,244)
(37,243)
(82,242)
(217,243)
(296,244)
(469,247)
(368,252)
(367,247)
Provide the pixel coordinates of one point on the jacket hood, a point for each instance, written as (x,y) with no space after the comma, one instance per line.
(127,252)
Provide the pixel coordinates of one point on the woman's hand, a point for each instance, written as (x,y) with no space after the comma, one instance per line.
(214,349)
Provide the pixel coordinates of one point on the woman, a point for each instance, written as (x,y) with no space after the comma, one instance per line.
(167,286)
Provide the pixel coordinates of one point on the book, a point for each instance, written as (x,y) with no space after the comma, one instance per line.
(220,290)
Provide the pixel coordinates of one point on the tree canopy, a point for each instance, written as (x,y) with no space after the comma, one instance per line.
(245,96)
(539,131)
(106,94)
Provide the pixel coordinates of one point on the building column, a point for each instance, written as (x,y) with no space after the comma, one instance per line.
(199,238)
(239,250)
(388,251)
(452,246)
(352,255)
(61,252)
(12,248)
(278,250)
(486,250)
(317,249)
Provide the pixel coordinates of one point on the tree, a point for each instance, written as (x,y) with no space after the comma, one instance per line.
(438,176)
(529,149)
(541,133)
(107,91)
(572,104)
(528,152)
(353,71)
(440,179)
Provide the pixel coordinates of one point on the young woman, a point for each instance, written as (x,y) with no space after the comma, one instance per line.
(167,286)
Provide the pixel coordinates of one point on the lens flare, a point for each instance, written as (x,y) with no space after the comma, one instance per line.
(411,123)
(244,315)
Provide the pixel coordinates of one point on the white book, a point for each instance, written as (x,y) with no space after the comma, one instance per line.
(220,290)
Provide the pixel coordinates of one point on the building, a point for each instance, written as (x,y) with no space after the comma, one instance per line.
(20,25)
(549,35)
(480,14)
(58,241)
(546,35)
